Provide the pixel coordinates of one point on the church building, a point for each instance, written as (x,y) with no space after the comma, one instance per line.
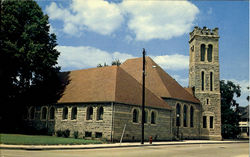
(105,102)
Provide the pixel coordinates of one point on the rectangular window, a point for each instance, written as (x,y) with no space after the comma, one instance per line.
(204,121)
(98,135)
(207,101)
(211,122)
(88,134)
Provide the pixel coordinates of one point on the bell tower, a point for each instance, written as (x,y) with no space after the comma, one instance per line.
(204,78)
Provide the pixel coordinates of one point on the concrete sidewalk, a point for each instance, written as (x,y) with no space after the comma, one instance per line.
(114,145)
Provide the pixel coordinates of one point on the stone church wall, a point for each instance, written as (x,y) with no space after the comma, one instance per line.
(84,126)
(122,114)
(161,130)
(80,124)
(185,132)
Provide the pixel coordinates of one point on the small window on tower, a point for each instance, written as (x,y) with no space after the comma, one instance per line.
(211,81)
(202,55)
(202,80)
(192,48)
(207,101)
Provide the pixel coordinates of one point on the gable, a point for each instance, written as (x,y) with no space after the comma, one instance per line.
(157,80)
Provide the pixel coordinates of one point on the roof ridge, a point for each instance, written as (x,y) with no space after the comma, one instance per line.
(147,90)
(93,68)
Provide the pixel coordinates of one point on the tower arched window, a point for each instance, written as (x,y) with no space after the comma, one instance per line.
(178,111)
(210,53)
(74,113)
(202,80)
(203,47)
(90,113)
(185,116)
(100,113)
(65,113)
(44,113)
(211,81)
(191,116)
(52,113)
(153,117)
(135,116)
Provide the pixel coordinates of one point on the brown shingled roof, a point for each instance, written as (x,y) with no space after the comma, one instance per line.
(90,85)
(107,84)
(189,90)
(157,80)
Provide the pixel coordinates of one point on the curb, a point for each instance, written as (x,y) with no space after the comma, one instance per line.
(58,147)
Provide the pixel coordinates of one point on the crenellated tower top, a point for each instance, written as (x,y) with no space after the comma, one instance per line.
(203,32)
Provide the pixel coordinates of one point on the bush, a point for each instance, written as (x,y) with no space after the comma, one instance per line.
(59,133)
(76,134)
(66,133)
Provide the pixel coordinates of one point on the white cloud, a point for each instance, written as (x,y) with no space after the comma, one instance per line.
(159,19)
(80,57)
(173,62)
(86,57)
(147,19)
(182,81)
(93,15)
(56,13)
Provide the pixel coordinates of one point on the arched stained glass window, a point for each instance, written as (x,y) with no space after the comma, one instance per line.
(44,113)
(191,116)
(185,116)
(90,113)
(65,113)
(178,111)
(135,116)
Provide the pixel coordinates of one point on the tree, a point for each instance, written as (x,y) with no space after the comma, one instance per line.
(229,116)
(28,57)
(115,62)
(104,65)
(248,97)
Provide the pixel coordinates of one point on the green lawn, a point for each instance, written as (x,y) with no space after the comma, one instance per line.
(19,139)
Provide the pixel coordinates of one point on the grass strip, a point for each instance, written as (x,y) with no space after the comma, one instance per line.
(19,139)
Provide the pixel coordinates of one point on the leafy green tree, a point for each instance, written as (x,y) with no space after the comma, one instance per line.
(104,65)
(248,92)
(116,62)
(229,109)
(28,58)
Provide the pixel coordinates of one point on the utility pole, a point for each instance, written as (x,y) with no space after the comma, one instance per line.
(143,97)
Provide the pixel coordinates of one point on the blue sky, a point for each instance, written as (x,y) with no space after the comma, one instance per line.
(90,32)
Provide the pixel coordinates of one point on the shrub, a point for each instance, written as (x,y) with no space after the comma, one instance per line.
(76,134)
(59,133)
(66,133)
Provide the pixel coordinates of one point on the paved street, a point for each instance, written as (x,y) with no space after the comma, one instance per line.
(192,150)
